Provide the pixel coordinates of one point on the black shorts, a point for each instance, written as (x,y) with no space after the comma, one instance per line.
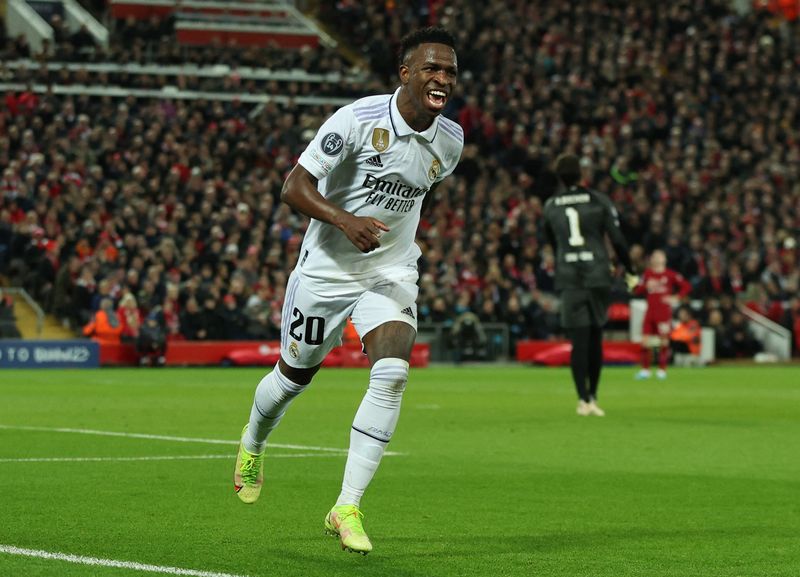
(584,307)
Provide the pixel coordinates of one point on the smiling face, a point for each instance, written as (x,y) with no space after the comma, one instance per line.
(428,75)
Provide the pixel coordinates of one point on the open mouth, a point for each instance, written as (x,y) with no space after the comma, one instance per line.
(437,99)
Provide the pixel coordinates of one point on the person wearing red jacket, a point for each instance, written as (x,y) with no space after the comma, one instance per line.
(130,318)
(664,288)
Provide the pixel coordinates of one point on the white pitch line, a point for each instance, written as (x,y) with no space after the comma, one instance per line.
(156,458)
(162,437)
(96,561)
(175,439)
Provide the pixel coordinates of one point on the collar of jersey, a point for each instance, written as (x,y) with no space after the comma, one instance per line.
(401,127)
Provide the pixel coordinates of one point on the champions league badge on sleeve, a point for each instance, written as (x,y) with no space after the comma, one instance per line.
(332,144)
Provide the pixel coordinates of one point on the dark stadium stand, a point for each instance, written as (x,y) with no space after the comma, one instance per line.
(686,114)
(8,321)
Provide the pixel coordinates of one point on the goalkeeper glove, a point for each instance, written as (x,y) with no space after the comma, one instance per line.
(631,280)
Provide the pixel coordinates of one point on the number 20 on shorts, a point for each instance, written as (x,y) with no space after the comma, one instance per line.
(312,328)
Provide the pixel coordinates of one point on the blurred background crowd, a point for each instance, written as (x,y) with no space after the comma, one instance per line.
(687,114)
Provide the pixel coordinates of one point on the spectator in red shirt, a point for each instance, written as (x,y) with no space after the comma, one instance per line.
(663,287)
(130,317)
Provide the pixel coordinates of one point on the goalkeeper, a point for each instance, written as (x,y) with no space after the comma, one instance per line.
(577,220)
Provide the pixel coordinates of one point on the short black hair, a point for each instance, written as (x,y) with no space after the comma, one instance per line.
(568,169)
(429,35)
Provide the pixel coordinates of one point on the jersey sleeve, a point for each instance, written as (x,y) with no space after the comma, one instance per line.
(614,231)
(332,144)
(549,234)
(682,286)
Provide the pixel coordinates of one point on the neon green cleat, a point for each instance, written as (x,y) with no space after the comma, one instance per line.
(344,521)
(249,474)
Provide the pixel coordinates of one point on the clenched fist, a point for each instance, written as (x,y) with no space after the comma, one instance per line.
(364,232)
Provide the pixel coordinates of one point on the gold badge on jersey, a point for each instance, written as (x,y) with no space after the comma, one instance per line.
(380,139)
(434,170)
(294,350)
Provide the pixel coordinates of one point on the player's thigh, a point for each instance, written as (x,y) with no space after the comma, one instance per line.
(650,324)
(653,334)
(599,301)
(385,316)
(575,308)
(311,324)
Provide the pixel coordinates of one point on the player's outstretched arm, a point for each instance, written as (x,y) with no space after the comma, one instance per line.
(300,192)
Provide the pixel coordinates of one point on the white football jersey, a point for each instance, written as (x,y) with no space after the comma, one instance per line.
(371,163)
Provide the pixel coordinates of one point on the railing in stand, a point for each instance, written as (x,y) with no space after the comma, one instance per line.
(37,310)
(776,339)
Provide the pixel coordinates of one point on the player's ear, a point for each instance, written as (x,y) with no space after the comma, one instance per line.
(404,73)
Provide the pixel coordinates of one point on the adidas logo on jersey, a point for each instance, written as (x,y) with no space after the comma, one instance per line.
(408,311)
(375,161)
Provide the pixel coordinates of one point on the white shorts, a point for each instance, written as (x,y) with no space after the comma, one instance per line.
(311,325)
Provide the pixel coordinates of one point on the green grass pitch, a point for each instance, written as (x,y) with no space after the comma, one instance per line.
(695,476)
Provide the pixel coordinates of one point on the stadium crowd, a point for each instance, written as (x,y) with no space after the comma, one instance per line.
(686,114)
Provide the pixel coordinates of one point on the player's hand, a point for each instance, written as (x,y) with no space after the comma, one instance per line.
(631,281)
(364,232)
(672,301)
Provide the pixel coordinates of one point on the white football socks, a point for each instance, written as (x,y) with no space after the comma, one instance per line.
(373,427)
(273,395)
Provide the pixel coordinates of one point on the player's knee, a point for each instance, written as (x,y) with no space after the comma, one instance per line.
(391,340)
(651,341)
(300,377)
(279,387)
(387,380)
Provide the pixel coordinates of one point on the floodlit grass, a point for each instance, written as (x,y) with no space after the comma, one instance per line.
(695,476)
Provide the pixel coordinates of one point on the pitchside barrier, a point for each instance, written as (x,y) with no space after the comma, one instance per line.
(242,353)
(24,354)
(557,353)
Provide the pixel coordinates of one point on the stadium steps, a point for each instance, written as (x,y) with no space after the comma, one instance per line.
(343,46)
(26,323)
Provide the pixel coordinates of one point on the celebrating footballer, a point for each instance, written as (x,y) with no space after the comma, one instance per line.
(362,182)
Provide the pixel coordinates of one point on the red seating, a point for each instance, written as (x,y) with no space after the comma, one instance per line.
(619,312)
(243,353)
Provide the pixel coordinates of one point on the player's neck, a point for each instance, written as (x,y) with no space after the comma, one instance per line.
(418,120)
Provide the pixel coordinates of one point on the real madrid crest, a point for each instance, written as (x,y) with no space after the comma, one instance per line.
(380,139)
(294,350)
(434,170)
